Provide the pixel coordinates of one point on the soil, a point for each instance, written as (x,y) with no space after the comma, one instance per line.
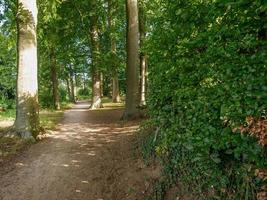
(91,156)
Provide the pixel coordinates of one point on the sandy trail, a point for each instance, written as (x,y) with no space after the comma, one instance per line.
(90,156)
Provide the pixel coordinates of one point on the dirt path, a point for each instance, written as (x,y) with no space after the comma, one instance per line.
(90,157)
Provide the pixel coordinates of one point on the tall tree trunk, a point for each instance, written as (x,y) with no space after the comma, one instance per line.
(75,83)
(115,89)
(84,81)
(115,81)
(69,89)
(72,87)
(54,76)
(96,93)
(101,85)
(143,81)
(96,76)
(27,114)
(143,56)
(132,68)
(110,86)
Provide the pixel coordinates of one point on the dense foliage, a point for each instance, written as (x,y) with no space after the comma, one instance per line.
(208,68)
(207,79)
(64,43)
(7,55)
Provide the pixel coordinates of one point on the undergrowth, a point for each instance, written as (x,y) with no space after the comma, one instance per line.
(207,78)
(215,178)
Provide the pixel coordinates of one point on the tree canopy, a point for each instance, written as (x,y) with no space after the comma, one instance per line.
(197,69)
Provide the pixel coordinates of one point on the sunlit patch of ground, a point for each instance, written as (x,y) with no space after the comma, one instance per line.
(49,119)
(91,155)
(109,105)
(10,146)
(5,124)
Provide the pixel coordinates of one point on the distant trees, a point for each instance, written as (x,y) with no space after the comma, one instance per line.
(27,114)
(8,69)
(207,75)
(74,39)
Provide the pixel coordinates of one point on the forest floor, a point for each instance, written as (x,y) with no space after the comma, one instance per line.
(91,155)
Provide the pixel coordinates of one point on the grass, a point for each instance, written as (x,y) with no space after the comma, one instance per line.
(108,104)
(8,114)
(49,118)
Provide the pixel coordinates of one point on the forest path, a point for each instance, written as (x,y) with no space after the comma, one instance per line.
(90,156)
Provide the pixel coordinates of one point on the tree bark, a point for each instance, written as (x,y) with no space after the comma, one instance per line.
(143,57)
(69,89)
(132,68)
(72,87)
(143,81)
(27,113)
(101,85)
(75,83)
(84,81)
(115,89)
(96,93)
(54,77)
(96,76)
(115,81)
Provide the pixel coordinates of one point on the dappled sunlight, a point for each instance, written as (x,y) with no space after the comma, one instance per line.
(6,123)
(19,164)
(75,155)
(86,138)
(85,182)
(85,130)
(76,161)
(91,154)
(79,110)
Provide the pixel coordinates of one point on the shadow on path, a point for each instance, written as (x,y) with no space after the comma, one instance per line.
(90,156)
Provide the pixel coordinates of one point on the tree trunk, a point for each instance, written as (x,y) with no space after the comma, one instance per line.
(72,87)
(75,83)
(115,89)
(110,86)
(143,57)
(101,85)
(68,89)
(27,114)
(96,93)
(132,72)
(54,76)
(96,76)
(143,81)
(84,81)
(115,81)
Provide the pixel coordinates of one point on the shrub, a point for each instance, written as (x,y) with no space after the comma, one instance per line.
(207,75)
(84,93)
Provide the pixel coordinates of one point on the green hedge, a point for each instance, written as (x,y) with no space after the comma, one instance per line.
(208,69)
